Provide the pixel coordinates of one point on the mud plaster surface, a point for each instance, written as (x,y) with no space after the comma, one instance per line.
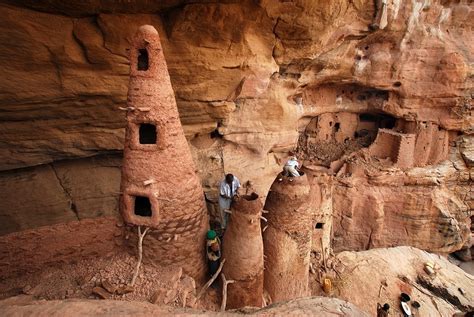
(243,251)
(179,214)
(287,240)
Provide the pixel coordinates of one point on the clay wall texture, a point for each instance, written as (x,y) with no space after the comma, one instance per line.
(243,251)
(399,147)
(178,212)
(287,240)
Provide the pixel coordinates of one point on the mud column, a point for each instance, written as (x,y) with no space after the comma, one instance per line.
(287,240)
(160,188)
(243,251)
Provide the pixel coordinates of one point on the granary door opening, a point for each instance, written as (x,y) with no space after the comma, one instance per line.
(142,63)
(147,133)
(142,206)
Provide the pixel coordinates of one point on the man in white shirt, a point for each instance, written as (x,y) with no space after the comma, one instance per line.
(291,166)
(227,190)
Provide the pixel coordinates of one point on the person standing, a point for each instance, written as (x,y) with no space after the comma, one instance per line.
(228,189)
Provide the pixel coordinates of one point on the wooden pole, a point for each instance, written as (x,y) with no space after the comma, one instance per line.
(140,253)
(224,291)
(213,278)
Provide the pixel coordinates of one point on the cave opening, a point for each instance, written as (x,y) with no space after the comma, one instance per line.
(377,121)
(147,133)
(142,63)
(142,206)
(319,225)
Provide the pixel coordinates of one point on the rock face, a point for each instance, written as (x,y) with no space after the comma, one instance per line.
(389,207)
(59,192)
(160,188)
(32,250)
(287,239)
(243,251)
(250,80)
(380,275)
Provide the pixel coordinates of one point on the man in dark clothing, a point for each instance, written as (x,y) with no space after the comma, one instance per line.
(213,249)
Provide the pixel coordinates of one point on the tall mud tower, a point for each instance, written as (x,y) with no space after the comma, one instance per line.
(160,188)
(243,251)
(287,240)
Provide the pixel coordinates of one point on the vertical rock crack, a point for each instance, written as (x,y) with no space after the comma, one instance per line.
(72,205)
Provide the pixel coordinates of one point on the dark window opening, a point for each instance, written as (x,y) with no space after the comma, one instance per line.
(367,117)
(142,206)
(397,84)
(142,59)
(388,123)
(147,133)
(337,126)
(380,120)
(319,225)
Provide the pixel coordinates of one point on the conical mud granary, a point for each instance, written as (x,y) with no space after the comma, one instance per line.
(160,188)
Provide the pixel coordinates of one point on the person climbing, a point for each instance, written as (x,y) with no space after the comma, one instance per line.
(228,189)
(213,249)
(290,168)
(382,311)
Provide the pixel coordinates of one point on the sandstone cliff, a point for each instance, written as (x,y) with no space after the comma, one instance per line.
(251,80)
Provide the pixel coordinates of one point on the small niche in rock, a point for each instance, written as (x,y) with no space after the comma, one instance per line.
(337,126)
(142,206)
(142,63)
(397,84)
(147,133)
(319,225)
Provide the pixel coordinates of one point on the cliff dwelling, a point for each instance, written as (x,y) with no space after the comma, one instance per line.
(310,158)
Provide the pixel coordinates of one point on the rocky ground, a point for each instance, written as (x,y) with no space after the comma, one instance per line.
(361,278)
(381,275)
(316,306)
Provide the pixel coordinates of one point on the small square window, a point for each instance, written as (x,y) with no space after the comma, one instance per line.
(142,206)
(147,133)
(142,63)
(319,225)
